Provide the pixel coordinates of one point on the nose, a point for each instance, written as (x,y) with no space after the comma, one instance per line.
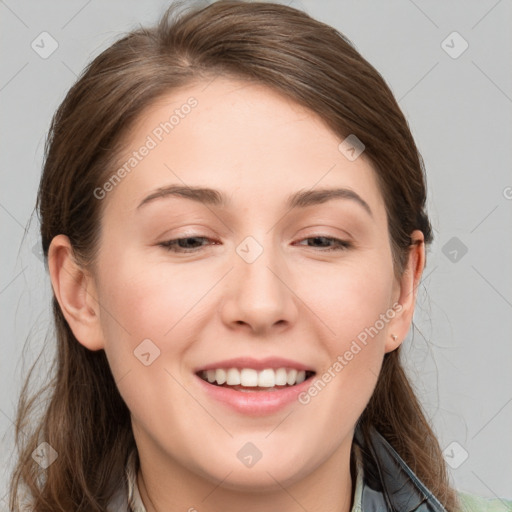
(259,294)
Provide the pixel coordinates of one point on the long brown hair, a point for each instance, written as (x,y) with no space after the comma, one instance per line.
(84,417)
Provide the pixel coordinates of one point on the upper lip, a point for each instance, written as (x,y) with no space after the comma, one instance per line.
(256,364)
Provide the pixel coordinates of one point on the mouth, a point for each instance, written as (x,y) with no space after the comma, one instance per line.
(254,387)
(250,380)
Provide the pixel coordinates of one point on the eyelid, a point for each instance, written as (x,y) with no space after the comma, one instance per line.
(339,244)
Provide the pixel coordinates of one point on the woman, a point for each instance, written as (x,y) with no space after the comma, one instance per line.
(233,214)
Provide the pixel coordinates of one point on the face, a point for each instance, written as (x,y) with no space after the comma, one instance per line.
(254,282)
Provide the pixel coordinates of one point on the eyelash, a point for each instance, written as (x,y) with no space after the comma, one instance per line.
(170,245)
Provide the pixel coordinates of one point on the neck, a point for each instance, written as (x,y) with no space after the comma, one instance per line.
(330,487)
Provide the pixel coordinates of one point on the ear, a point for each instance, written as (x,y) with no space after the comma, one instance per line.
(406,292)
(75,291)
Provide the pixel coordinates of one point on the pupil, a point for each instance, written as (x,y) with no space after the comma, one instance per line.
(188,240)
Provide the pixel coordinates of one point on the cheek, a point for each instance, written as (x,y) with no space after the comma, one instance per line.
(158,301)
(143,302)
(353,305)
(350,298)
(147,322)
(168,302)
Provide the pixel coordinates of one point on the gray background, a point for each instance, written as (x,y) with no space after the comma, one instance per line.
(459,109)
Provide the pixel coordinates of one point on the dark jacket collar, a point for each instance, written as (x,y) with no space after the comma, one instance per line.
(389,485)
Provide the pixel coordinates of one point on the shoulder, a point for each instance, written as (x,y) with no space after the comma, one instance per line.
(472,503)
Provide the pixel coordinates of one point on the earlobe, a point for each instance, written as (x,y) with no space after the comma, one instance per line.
(393,343)
(74,289)
(408,288)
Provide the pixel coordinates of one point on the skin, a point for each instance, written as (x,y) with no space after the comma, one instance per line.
(294,300)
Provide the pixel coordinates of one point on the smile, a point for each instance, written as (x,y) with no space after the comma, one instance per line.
(254,387)
(250,379)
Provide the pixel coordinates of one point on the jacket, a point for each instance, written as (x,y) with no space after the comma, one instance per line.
(384,483)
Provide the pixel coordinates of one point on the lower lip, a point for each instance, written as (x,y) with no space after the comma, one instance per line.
(255,403)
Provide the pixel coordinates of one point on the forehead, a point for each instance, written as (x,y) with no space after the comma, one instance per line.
(239,137)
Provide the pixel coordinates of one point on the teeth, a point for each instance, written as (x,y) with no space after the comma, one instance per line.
(266,378)
(248,377)
(281,377)
(233,377)
(291,377)
(220,376)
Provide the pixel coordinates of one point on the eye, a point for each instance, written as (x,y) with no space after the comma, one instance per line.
(182,244)
(339,245)
(193,243)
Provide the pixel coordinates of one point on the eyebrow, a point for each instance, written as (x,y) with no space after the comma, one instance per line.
(300,199)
